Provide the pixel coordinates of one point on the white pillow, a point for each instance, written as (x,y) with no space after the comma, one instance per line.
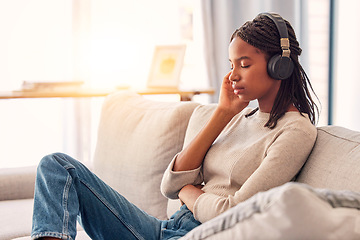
(291,211)
(137,139)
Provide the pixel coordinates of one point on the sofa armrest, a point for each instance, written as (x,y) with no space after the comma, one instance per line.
(17,183)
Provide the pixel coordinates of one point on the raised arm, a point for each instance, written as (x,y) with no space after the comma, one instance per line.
(229,105)
(193,155)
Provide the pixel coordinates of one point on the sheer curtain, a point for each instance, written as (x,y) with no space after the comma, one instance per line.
(346,83)
(35,45)
(221,18)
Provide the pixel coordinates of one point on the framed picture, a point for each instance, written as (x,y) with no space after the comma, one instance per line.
(166,66)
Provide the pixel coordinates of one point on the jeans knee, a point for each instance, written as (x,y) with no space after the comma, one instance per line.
(48,158)
(48,161)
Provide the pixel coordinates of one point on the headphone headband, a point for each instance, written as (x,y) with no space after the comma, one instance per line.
(283,32)
(280,66)
(279,22)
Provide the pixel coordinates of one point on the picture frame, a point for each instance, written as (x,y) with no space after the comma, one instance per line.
(166,66)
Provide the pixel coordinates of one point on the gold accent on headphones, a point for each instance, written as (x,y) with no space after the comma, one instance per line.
(285,46)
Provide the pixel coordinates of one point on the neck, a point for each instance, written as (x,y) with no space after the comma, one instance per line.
(267,109)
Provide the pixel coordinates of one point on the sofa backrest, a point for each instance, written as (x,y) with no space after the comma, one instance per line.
(334,162)
(137,139)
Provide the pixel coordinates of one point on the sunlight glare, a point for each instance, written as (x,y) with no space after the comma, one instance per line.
(113,63)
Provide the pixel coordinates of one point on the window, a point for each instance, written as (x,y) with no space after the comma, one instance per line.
(346,84)
(103,42)
(35,46)
(318,52)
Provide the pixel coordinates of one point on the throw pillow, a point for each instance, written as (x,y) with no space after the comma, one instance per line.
(137,139)
(291,211)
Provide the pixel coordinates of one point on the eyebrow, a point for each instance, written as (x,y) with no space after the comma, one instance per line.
(240,58)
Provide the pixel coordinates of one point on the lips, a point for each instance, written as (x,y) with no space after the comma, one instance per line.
(238,89)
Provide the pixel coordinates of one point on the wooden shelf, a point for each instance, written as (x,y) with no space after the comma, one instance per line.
(186,95)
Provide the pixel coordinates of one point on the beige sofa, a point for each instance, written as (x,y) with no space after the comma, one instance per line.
(137,138)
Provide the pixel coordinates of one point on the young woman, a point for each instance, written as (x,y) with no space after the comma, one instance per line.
(238,153)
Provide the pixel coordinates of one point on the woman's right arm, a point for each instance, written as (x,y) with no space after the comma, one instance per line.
(229,105)
(187,163)
(193,155)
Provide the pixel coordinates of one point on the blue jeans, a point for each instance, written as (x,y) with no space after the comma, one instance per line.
(66,191)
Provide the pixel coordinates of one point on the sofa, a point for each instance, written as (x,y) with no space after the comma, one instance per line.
(138,137)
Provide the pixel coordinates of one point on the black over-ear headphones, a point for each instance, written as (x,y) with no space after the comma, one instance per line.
(280,66)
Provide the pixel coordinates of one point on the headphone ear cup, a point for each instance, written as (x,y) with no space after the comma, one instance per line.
(279,67)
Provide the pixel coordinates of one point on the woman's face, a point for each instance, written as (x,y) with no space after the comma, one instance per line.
(249,74)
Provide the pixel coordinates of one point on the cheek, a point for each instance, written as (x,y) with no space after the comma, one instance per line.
(261,68)
(258,76)
(260,81)
(262,72)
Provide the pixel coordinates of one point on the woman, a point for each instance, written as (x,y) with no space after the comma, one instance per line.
(239,152)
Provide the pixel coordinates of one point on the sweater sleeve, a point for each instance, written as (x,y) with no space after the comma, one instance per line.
(173,181)
(283,159)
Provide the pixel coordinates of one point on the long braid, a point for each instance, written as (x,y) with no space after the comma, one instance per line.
(262,33)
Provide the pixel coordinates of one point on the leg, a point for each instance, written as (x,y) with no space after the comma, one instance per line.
(66,189)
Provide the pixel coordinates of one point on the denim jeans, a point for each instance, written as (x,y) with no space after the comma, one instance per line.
(66,191)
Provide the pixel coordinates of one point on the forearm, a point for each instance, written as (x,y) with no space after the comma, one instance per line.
(193,155)
(229,105)
(189,194)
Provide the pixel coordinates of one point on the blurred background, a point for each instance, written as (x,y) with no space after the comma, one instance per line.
(109,43)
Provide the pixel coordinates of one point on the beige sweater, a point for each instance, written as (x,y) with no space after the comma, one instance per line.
(245,159)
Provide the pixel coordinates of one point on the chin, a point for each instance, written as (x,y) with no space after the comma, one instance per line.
(244,98)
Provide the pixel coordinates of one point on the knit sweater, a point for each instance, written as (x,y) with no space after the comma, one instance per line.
(246,158)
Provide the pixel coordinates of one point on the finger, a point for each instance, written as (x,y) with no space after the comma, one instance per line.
(227,77)
(228,74)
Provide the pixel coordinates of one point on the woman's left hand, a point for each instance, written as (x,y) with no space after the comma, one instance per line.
(188,195)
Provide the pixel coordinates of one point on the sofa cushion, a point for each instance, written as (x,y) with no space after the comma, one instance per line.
(16,220)
(335,160)
(17,183)
(137,139)
(81,235)
(16,216)
(291,211)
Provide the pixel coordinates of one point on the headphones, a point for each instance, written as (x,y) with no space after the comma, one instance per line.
(280,67)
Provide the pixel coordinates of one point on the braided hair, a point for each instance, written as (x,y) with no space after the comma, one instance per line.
(262,33)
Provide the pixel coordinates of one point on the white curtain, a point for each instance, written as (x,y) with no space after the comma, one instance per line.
(346,76)
(221,18)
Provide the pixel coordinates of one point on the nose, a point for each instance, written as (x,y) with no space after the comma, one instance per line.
(234,76)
